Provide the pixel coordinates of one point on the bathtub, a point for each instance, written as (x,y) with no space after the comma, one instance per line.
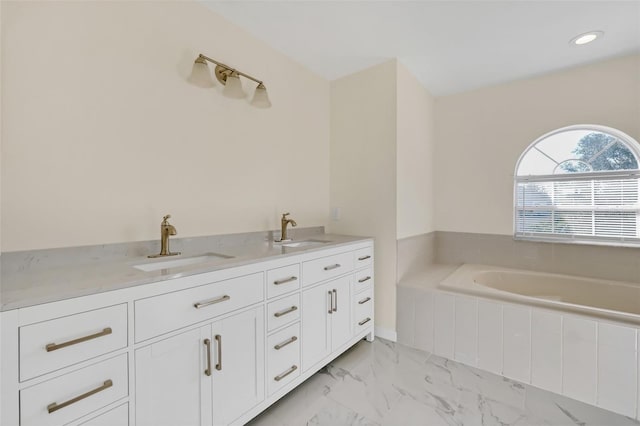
(574,336)
(615,300)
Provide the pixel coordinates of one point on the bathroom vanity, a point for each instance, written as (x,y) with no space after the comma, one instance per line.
(208,343)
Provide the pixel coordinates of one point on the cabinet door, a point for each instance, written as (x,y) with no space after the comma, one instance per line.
(238,365)
(341,325)
(171,385)
(316,325)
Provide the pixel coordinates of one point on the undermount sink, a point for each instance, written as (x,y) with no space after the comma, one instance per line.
(305,243)
(185,261)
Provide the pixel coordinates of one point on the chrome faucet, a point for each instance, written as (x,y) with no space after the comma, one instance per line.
(166,229)
(284,222)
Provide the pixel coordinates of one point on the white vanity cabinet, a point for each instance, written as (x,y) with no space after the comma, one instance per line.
(237,362)
(171,386)
(205,376)
(326,320)
(207,349)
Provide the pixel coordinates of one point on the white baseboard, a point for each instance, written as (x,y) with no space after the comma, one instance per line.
(386,333)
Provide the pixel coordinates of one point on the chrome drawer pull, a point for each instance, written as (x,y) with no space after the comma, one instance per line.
(55,346)
(286,373)
(335,292)
(285,343)
(219,340)
(364,257)
(207,343)
(330,267)
(364,321)
(330,302)
(363,301)
(285,312)
(53,407)
(361,280)
(199,305)
(284,281)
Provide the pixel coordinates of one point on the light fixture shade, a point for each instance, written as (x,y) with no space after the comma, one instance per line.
(200,74)
(233,87)
(260,97)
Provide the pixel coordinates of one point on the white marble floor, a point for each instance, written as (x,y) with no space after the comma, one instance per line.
(383,383)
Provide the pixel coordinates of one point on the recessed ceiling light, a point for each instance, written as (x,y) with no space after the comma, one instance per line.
(586,38)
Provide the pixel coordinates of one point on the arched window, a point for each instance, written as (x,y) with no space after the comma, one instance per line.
(579,184)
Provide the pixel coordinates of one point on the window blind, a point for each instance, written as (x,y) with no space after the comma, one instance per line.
(585,207)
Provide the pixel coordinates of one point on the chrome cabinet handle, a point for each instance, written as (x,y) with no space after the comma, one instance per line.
(219,341)
(364,321)
(286,373)
(285,280)
(335,292)
(364,257)
(330,267)
(330,302)
(363,301)
(285,312)
(55,346)
(207,343)
(285,343)
(53,407)
(206,303)
(361,280)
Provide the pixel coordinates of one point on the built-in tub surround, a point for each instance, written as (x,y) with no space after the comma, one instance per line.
(414,253)
(534,328)
(594,261)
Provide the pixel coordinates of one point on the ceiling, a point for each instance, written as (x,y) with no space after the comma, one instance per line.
(450,46)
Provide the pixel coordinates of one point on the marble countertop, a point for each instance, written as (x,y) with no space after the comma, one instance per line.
(28,286)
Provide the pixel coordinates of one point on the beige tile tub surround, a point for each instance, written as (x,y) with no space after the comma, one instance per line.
(425,260)
(607,262)
(414,253)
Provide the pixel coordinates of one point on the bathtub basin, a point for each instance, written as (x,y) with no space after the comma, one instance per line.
(604,298)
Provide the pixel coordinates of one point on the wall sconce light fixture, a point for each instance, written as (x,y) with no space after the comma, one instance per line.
(230,78)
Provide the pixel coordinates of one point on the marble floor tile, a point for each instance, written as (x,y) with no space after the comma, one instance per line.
(384,383)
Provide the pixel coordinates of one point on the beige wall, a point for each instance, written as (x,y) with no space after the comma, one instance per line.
(481,134)
(1,86)
(363,171)
(102,135)
(415,151)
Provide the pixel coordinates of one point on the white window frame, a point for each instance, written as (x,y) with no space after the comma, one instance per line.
(628,141)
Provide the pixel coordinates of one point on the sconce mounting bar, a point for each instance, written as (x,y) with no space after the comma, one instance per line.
(206,58)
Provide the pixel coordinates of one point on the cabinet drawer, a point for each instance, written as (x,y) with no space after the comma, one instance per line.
(118,416)
(57,343)
(283,280)
(167,312)
(363,279)
(76,394)
(283,354)
(363,310)
(317,270)
(363,257)
(283,311)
